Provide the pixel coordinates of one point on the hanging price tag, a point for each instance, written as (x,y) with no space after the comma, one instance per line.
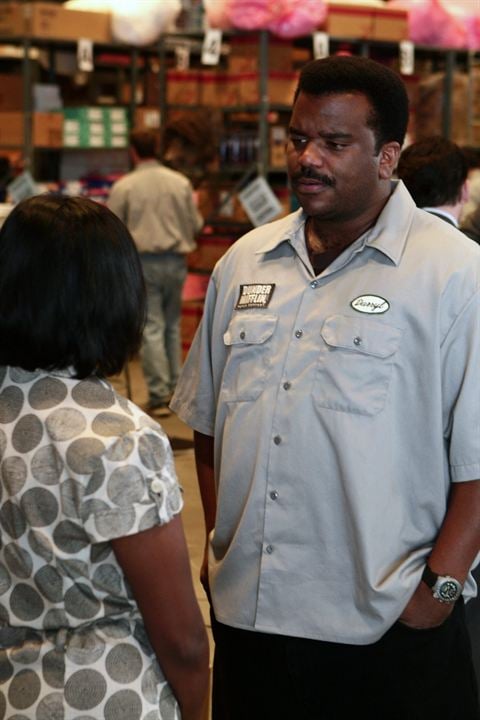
(321,45)
(85,55)
(212,45)
(182,57)
(259,202)
(407,57)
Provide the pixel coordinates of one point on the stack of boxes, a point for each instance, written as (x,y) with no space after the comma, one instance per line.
(95,127)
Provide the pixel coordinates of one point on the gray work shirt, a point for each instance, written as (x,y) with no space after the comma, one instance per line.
(157,206)
(342,407)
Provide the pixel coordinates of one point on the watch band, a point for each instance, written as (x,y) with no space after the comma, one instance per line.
(445,588)
(429,577)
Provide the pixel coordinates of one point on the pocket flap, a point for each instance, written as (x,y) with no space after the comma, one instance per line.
(365,335)
(249,329)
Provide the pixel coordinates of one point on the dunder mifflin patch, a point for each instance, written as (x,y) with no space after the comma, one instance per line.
(254,296)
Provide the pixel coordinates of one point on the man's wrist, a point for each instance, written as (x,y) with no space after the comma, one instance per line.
(445,588)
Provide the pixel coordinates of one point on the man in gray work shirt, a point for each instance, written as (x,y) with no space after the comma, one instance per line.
(157,205)
(333,387)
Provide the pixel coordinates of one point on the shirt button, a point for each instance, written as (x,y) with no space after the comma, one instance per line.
(269,549)
(157,486)
(287,386)
(274,495)
(357,340)
(277,439)
(313,284)
(298,333)
(242,335)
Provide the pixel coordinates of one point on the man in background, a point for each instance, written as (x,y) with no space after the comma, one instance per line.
(435,173)
(157,205)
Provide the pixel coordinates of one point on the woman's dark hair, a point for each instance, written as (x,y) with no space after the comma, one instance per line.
(382,86)
(71,287)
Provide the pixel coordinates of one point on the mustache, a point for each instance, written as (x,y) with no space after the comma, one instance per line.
(309,174)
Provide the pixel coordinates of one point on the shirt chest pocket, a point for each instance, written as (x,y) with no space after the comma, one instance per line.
(355,364)
(249,342)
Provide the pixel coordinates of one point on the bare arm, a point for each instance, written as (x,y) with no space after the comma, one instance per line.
(457,544)
(205,471)
(157,567)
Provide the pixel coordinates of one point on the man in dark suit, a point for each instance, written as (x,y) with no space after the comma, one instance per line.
(435,172)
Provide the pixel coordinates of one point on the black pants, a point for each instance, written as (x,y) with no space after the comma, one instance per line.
(406,675)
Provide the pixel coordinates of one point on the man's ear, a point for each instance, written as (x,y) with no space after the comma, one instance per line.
(388,159)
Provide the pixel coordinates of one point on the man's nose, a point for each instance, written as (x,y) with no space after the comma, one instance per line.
(312,155)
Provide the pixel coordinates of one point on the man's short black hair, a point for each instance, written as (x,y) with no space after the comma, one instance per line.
(71,287)
(382,86)
(434,171)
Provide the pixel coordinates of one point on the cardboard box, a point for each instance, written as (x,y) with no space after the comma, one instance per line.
(348,21)
(244,56)
(210,249)
(281,88)
(51,20)
(219,89)
(183,88)
(95,127)
(390,25)
(48,129)
(11,92)
(11,128)
(147,118)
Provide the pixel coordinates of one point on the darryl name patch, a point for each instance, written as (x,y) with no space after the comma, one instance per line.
(254,296)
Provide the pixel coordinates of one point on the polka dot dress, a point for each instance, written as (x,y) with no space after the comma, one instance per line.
(79,466)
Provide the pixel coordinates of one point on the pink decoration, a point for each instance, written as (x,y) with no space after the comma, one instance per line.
(253,14)
(298,18)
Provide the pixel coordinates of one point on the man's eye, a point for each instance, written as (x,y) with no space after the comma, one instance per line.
(298,141)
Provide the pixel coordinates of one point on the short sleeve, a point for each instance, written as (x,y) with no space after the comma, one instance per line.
(136,487)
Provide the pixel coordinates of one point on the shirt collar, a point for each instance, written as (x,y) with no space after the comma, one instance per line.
(388,235)
(151,162)
(443,214)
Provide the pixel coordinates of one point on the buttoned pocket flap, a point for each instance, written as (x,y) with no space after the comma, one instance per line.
(250,330)
(363,335)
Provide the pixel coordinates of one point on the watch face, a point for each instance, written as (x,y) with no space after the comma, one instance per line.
(449,590)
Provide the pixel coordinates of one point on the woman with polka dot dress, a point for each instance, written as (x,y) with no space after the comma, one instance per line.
(98,616)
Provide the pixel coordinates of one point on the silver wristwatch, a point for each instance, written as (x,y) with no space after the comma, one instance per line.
(444,588)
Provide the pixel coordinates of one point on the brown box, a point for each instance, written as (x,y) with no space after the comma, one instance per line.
(11,128)
(183,88)
(219,89)
(11,92)
(51,20)
(244,54)
(210,249)
(281,88)
(48,129)
(348,21)
(147,118)
(390,24)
